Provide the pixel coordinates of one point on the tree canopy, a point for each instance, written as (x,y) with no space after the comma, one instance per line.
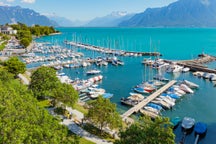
(24,33)
(103,113)
(45,83)
(147,131)
(15,66)
(22,120)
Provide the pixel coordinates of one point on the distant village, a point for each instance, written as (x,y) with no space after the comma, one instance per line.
(11,46)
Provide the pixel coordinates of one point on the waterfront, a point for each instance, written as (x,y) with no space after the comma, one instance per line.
(172,44)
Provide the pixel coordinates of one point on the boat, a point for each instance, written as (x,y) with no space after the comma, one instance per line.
(188,123)
(175,122)
(114,62)
(160,78)
(140,90)
(185,69)
(172,95)
(158,107)
(212,77)
(206,75)
(186,88)
(149,113)
(151,109)
(174,68)
(200,130)
(93,72)
(120,62)
(96,78)
(190,84)
(107,95)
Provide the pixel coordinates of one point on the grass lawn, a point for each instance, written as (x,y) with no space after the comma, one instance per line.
(80,139)
(80,108)
(2,46)
(94,130)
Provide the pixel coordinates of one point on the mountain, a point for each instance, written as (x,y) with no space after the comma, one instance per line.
(111,20)
(9,14)
(64,22)
(183,13)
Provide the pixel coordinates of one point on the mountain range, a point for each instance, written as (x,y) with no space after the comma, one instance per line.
(64,22)
(111,20)
(183,13)
(9,14)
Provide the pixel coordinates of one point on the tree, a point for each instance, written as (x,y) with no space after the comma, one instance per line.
(43,82)
(147,131)
(66,94)
(25,42)
(23,121)
(103,113)
(15,66)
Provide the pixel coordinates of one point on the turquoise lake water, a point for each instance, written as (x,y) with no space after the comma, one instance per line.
(172,43)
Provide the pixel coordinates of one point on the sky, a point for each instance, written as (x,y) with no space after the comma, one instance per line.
(85,10)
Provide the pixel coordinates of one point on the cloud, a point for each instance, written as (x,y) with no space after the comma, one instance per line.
(27,1)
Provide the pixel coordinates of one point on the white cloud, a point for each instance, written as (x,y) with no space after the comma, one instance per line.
(27,1)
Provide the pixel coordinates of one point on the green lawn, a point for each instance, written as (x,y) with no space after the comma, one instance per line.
(2,46)
(93,130)
(80,108)
(80,139)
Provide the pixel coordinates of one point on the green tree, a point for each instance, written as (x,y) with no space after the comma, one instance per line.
(22,120)
(43,82)
(15,66)
(103,113)
(147,131)
(66,94)
(25,42)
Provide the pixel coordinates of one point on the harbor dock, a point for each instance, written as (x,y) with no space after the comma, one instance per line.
(197,64)
(112,51)
(147,100)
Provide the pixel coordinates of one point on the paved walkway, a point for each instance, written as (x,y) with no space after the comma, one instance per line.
(24,79)
(79,131)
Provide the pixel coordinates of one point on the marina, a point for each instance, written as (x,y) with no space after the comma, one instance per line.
(144,102)
(118,80)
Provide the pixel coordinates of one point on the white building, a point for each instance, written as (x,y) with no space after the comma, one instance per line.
(7,30)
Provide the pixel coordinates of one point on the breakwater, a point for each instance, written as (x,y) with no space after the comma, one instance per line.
(112,51)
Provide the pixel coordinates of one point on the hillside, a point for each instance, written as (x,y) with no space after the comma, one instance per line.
(9,14)
(183,13)
(111,20)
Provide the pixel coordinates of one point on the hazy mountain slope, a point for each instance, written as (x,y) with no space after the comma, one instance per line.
(197,13)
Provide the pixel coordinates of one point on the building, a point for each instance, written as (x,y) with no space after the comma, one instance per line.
(7,30)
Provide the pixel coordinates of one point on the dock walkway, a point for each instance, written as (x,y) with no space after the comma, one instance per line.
(140,105)
(112,51)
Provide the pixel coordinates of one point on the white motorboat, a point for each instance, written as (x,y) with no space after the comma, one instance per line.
(185,69)
(190,84)
(92,72)
(186,88)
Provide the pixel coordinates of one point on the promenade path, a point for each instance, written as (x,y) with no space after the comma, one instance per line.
(24,79)
(144,102)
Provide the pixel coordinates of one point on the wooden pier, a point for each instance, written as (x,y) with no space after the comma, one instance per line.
(112,51)
(147,100)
